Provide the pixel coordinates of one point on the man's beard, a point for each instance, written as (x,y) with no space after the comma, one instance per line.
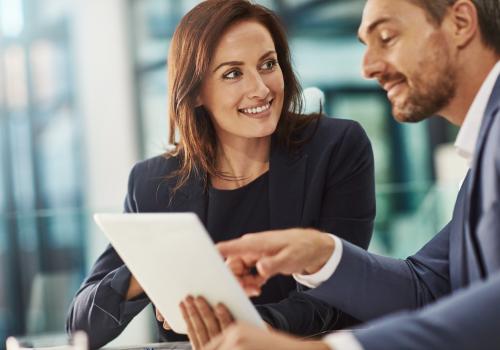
(427,93)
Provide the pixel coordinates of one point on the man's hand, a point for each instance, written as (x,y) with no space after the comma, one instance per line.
(303,251)
(244,337)
(204,322)
(245,272)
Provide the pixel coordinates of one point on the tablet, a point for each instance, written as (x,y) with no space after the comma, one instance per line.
(171,255)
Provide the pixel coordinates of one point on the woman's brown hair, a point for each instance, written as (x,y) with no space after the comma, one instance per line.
(192,47)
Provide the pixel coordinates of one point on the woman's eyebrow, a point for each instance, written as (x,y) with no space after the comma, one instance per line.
(240,63)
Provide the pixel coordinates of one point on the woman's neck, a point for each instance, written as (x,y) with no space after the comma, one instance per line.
(242,161)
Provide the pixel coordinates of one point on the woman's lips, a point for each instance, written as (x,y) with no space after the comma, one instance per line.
(257,112)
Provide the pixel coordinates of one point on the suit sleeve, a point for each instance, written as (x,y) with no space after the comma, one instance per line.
(467,319)
(367,285)
(99,307)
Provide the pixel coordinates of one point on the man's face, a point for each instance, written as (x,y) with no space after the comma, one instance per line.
(409,56)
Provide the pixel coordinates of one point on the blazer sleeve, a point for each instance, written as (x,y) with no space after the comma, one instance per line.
(367,285)
(348,204)
(467,319)
(304,315)
(99,307)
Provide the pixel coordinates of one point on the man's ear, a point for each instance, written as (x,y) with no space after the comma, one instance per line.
(464,22)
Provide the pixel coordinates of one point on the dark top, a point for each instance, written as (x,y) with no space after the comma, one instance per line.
(327,184)
(232,213)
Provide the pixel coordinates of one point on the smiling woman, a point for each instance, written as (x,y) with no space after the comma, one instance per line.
(244,160)
(229,63)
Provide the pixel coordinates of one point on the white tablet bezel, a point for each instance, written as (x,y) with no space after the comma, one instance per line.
(171,255)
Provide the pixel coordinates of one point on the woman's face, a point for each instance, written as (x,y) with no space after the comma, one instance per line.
(243,87)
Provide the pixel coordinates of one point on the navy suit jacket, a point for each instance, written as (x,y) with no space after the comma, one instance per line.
(328,184)
(455,277)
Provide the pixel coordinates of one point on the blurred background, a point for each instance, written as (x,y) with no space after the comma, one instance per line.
(83,97)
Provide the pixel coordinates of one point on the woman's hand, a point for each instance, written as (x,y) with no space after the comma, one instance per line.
(240,336)
(134,288)
(204,322)
(160,318)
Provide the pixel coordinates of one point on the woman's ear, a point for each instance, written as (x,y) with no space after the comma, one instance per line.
(198,102)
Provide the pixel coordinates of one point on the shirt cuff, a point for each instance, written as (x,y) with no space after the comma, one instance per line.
(110,297)
(314,280)
(342,340)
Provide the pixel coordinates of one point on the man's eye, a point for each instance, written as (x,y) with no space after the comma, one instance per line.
(386,38)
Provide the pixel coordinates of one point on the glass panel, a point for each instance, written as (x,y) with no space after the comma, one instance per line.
(15,77)
(50,12)
(48,64)
(40,166)
(56,147)
(21,162)
(11,17)
(153,86)
(50,273)
(404,233)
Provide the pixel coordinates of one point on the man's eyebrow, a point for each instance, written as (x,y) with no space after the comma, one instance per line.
(372,27)
(240,63)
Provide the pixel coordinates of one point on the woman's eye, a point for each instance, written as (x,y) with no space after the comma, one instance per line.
(269,65)
(232,74)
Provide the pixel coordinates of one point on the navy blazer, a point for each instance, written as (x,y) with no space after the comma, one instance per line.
(455,277)
(327,184)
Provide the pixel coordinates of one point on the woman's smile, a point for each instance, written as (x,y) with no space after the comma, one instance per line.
(257,112)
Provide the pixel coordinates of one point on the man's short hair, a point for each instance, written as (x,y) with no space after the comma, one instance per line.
(488,12)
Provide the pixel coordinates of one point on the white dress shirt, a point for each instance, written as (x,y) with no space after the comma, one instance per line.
(467,136)
(465,144)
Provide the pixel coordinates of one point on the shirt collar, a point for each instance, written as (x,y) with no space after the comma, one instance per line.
(467,136)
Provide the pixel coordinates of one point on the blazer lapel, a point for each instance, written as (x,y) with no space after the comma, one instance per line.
(192,197)
(287,173)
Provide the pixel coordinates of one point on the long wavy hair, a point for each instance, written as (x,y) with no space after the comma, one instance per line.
(191,50)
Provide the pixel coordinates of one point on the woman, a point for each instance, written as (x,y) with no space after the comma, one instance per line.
(246,160)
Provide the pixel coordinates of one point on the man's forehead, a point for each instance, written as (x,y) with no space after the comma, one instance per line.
(376,12)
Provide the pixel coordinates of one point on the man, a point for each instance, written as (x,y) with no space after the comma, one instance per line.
(433,57)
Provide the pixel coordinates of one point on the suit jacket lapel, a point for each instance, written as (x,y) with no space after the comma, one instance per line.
(458,263)
(493,103)
(473,195)
(287,173)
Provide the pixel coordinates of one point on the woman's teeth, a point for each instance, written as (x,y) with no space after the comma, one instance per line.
(256,110)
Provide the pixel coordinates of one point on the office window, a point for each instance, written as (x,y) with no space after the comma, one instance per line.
(41,226)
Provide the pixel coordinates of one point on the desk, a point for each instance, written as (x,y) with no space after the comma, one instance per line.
(155,346)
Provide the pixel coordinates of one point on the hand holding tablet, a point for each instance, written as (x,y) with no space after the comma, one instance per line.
(172,256)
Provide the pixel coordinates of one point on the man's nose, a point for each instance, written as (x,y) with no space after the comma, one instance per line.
(373,65)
